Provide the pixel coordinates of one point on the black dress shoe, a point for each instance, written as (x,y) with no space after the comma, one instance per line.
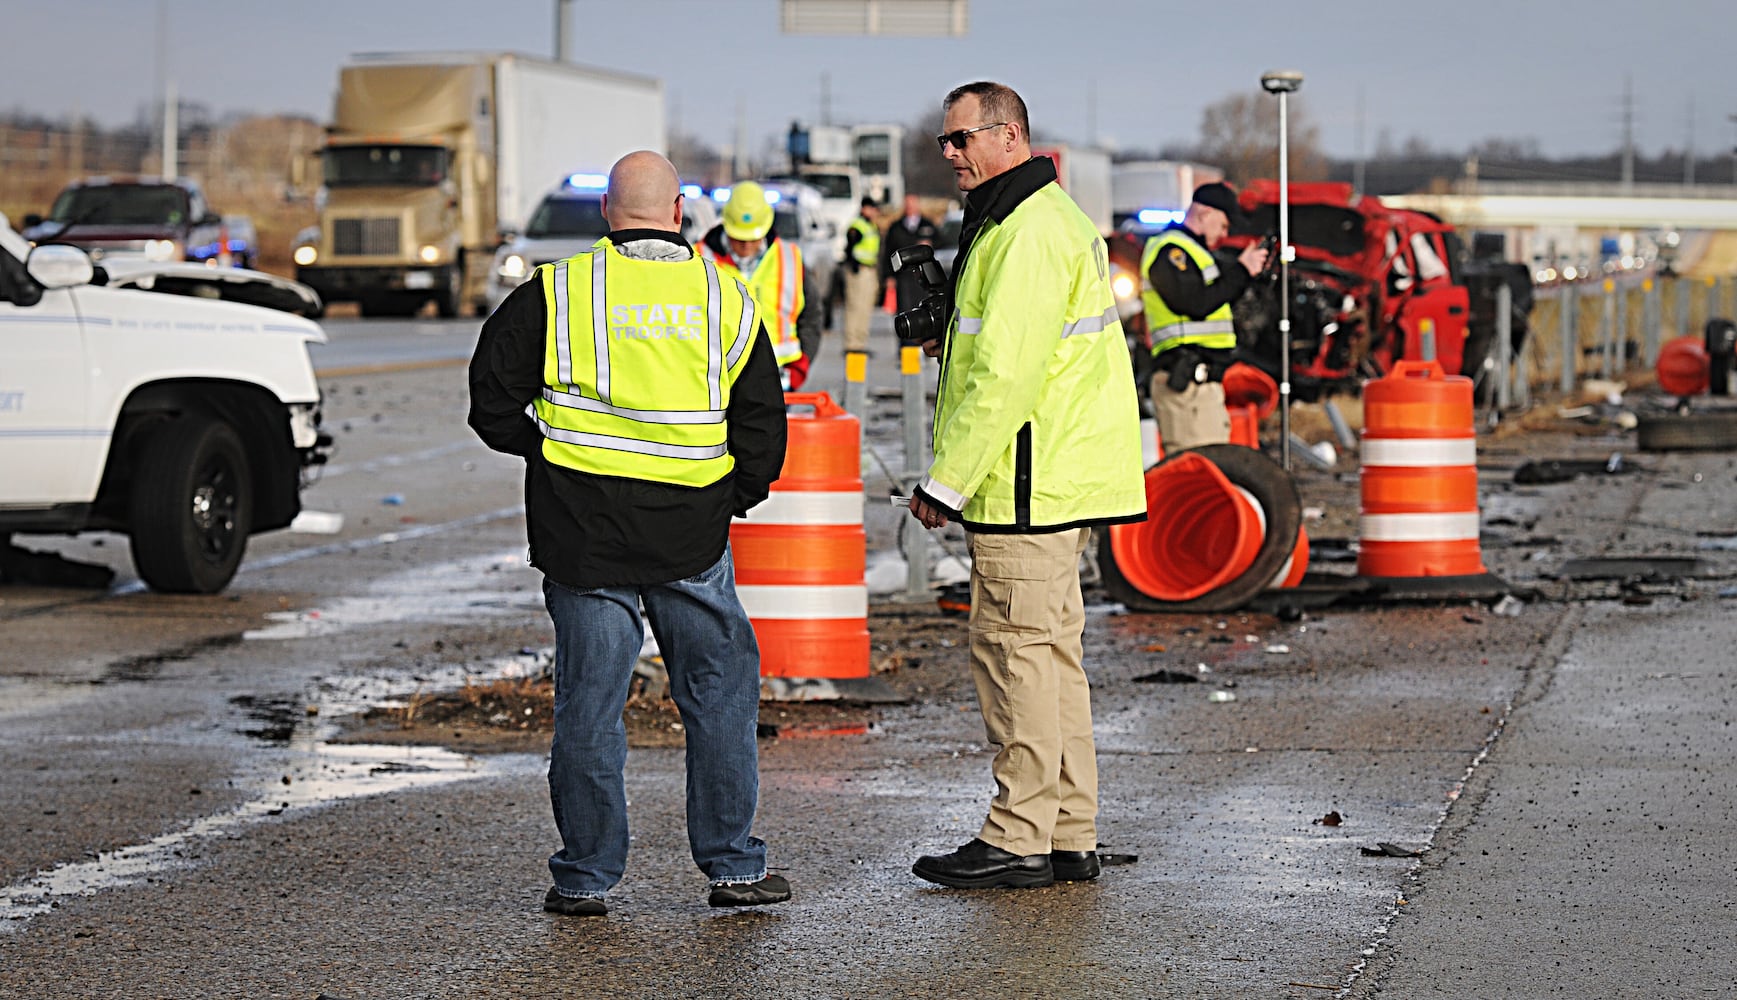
(981,866)
(1074,866)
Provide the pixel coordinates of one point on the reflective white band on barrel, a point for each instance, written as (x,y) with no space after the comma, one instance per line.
(804,603)
(1420,452)
(1420,527)
(805,508)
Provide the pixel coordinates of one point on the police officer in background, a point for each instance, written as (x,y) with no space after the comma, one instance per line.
(1189,291)
(862,274)
(657,416)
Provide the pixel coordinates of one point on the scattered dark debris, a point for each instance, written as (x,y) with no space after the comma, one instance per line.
(1331,819)
(1385,850)
(1167,677)
(1630,568)
(1561,470)
(1471,619)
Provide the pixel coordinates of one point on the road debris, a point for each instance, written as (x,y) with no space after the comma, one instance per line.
(1383,849)
(1331,819)
(1167,677)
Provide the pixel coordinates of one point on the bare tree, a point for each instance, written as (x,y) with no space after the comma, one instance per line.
(1240,133)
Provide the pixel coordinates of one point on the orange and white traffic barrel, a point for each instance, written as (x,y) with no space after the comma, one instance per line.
(799,560)
(1420,475)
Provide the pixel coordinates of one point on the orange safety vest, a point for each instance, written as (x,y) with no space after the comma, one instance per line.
(777,288)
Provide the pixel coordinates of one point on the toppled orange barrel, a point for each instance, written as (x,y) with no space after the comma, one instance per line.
(1200,531)
(800,555)
(1420,475)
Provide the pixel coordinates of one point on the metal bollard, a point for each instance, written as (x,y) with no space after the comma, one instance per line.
(1607,332)
(913,538)
(1622,302)
(1683,323)
(1650,319)
(856,385)
(1570,338)
(1504,346)
(1426,339)
(1712,303)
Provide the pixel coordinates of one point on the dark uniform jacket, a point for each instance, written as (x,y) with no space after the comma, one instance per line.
(601,531)
(899,235)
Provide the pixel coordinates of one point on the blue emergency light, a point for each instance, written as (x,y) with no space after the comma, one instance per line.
(1158,216)
(720,195)
(590,182)
(691,191)
(772,197)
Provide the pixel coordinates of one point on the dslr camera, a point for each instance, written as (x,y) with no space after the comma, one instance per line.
(927,320)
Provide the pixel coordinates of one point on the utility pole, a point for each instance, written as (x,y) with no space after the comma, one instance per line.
(166,87)
(1357,165)
(1627,132)
(563,19)
(1689,147)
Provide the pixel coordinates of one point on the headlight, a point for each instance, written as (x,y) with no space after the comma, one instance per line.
(160,250)
(429,253)
(305,256)
(1123,286)
(512,268)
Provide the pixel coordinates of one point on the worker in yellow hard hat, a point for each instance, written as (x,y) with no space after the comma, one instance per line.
(744,247)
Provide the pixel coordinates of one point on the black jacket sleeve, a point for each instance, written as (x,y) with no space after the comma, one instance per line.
(851,238)
(506,372)
(811,321)
(1179,282)
(757,425)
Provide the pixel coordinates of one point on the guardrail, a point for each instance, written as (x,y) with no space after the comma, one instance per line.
(1601,329)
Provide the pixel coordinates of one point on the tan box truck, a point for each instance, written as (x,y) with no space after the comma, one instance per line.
(431,158)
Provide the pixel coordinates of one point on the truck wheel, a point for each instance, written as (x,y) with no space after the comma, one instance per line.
(191,506)
(449,301)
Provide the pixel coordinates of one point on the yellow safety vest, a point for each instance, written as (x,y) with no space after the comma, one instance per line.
(777,287)
(638,365)
(1037,426)
(1164,327)
(868,249)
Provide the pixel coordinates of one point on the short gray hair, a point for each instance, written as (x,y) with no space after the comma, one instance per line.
(998,102)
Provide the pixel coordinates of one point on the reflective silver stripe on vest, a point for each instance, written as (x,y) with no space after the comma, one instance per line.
(1210,273)
(1178,331)
(745,332)
(970,324)
(1090,324)
(563,349)
(600,321)
(793,276)
(714,338)
(610,443)
(589,405)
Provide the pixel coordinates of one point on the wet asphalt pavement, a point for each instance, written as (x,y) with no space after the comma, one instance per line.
(177,823)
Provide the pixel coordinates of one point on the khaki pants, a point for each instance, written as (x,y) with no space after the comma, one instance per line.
(1190,418)
(1027,617)
(859,305)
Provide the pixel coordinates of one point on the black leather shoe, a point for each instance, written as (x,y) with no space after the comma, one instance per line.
(771,889)
(573,906)
(1074,866)
(981,866)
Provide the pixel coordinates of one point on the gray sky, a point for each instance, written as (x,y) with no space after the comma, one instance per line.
(1469,70)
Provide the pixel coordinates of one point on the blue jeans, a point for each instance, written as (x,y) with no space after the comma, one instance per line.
(714,672)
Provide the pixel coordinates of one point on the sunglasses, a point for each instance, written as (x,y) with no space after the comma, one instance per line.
(957,139)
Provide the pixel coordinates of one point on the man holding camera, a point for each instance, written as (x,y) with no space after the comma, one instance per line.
(1036,440)
(1188,295)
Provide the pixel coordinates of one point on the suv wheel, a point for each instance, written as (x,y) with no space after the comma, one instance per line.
(191,506)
